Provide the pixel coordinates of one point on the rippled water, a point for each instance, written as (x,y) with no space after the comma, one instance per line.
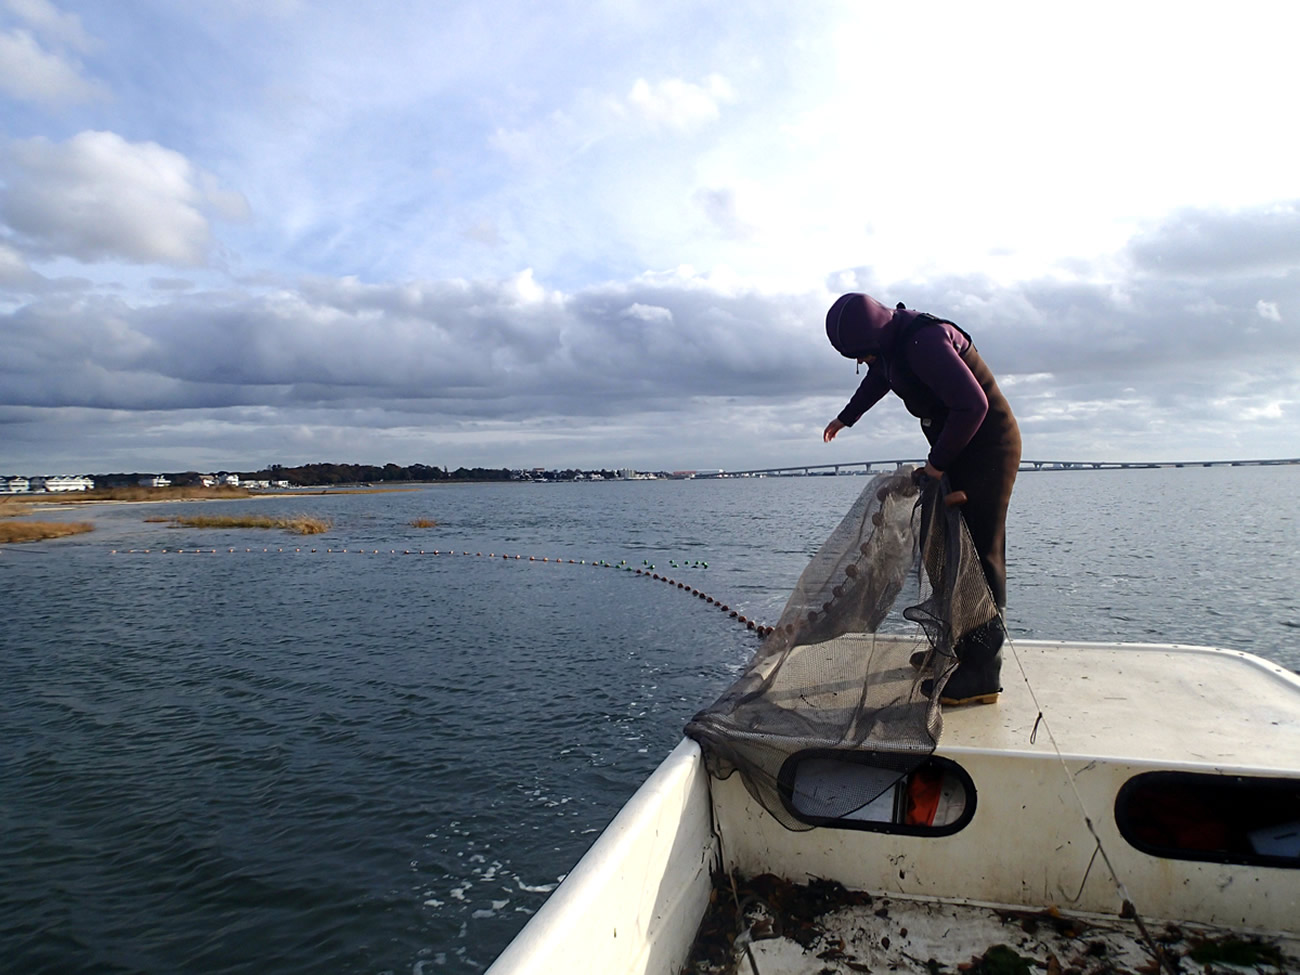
(286,761)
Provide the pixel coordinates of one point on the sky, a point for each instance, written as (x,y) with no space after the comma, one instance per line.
(605,234)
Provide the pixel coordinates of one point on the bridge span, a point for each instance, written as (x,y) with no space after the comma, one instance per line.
(882,466)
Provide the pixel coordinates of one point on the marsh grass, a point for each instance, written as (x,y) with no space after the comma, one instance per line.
(424,523)
(34,531)
(224,492)
(297,524)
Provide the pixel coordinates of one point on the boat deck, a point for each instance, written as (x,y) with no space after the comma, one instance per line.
(1170,704)
(1158,703)
(840,899)
(1114,711)
(785,936)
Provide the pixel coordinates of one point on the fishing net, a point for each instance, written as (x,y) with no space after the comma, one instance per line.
(836,675)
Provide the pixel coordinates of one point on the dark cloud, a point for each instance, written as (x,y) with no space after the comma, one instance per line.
(1260,240)
(488,350)
(171,284)
(660,371)
(1143,327)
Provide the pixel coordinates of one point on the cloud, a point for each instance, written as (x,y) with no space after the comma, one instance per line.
(1268,310)
(17,278)
(53,24)
(29,72)
(648,313)
(719,206)
(1200,241)
(98,198)
(512,371)
(14,271)
(680,104)
(504,349)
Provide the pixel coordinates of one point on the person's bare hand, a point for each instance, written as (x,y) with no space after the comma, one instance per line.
(832,428)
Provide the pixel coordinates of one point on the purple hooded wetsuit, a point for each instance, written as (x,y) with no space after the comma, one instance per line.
(934,368)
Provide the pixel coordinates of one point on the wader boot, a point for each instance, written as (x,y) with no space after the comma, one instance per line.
(979,666)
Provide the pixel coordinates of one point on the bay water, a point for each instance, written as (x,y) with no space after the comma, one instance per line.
(284,760)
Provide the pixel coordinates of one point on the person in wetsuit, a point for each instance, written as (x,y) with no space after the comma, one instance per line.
(934,368)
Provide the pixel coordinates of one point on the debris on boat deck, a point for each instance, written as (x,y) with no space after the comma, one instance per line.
(769,926)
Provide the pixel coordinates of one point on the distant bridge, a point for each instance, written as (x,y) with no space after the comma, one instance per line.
(881,466)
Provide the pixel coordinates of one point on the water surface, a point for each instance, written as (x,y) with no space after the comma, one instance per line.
(280,761)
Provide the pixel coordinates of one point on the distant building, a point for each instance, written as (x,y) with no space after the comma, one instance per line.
(67,482)
(14,485)
(208,480)
(155,481)
(231,479)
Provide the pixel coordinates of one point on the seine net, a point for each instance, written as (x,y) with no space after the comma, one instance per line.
(836,674)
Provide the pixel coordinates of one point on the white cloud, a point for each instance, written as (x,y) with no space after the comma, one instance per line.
(648,313)
(98,197)
(1268,310)
(680,104)
(51,23)
(28,72)
(1270,411)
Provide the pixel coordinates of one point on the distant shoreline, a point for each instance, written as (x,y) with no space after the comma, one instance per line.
(17,527)
(78,499)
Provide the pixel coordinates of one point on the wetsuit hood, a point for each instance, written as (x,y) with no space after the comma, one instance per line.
(859,326)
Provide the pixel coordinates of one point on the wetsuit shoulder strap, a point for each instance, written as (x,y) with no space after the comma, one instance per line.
(922,320)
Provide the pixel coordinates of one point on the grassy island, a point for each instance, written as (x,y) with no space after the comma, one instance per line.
(298,524)
(12,531)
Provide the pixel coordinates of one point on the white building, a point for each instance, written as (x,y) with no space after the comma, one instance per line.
(68,482)
(14,485)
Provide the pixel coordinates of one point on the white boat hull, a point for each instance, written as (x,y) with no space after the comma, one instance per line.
(634,902)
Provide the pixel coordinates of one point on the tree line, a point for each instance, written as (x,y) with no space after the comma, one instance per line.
(305,475)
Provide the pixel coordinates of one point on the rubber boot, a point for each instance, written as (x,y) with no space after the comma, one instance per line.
(971,683)
(976,680)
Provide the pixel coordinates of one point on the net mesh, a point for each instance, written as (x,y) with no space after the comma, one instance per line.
(837,672)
